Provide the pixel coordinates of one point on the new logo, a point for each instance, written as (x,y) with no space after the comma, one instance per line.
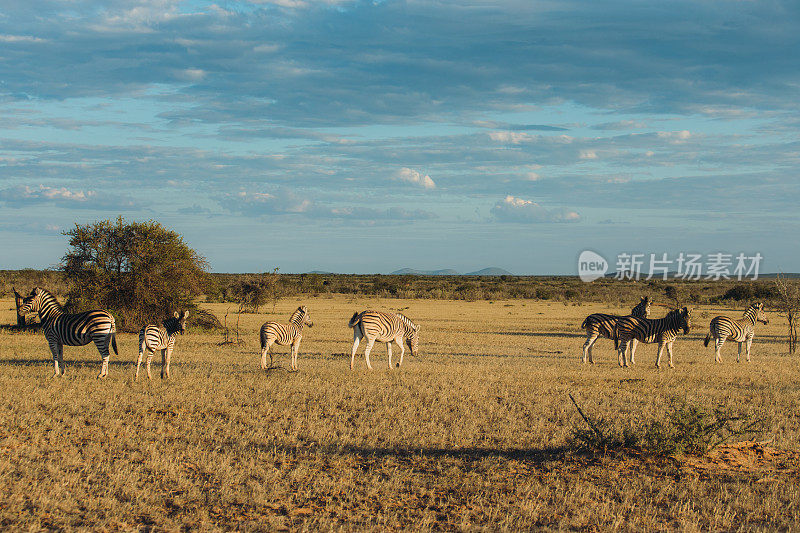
(591,266)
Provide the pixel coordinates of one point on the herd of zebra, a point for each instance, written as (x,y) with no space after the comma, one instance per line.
(78,329)
(637,327)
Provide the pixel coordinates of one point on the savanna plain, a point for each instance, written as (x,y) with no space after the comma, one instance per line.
(476,433)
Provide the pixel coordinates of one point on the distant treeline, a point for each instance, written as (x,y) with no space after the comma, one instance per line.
(229,287)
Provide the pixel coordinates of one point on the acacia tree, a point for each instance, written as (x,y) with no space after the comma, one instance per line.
(788,302)
(140,270)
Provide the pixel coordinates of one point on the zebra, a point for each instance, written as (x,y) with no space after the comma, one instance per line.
(78,329)
(602,325)
(383,327)
(742,330)
(153,337)
(284,335)
(648,330)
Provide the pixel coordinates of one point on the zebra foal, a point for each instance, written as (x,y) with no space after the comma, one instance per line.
(647,330)
(383,327)
(741,330)
(76,329)
(603,325)
(284,335)
(153,337)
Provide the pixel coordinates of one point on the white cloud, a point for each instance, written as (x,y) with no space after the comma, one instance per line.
(416,178)
(512,209)
(23,195)
(511,137)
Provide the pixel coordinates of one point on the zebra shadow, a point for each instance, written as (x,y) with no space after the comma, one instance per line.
(542,334)
(538,456)
(69,362)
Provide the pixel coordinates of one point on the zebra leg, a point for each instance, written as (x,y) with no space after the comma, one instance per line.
(389,353)
(739,353)
(587,347)
(139,361)
(634,344)
(163,367)
(718,342)
(54,349)
(264,353)
(295,352)
(669,352)
(356,340)
(149,360)
(402,352)
(660,351)
(621,349)
(749,342)
(102,343)
(163,361)
(370,343)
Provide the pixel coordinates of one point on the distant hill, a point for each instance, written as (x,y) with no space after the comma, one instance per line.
(491,271)
(413,272)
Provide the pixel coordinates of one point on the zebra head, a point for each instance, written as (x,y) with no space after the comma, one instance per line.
(181,318)
(760,315)
(306,317)
(685,319)
(644,307)
(412,340)
(31,303)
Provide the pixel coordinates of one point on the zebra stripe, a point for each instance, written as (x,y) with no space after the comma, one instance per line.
(741,330)
(153,337)
(383,327)
(284,335)
(648,330)
(78,329)
(603,325)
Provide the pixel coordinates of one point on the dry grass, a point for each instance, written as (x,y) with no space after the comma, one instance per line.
(472,435)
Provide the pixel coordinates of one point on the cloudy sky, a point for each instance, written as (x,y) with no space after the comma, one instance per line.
(369,136)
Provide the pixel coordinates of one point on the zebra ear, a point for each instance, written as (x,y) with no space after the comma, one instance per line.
(36,291)
(185,315)
(176,315)
(417,328)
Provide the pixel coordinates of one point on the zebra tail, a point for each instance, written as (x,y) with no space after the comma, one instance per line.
(353,320)
(583,324)
(707,340)
(114,342)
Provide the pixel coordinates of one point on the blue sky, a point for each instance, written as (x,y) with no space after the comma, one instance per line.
(370,136)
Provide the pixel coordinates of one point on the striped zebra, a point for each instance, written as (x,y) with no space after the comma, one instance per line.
(383,327)
(602,325)
(77,329)
(153,337)
(284,335)
(649,330)
(742,330)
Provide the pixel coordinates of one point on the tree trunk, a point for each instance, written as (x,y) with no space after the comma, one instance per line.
(18,301)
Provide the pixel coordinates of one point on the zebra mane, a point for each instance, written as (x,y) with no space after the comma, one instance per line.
(751,313)
(297,316)
(407,321)
(172,325)
(45,298)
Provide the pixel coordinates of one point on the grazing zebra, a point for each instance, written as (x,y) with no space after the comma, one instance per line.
(602,325)
(648,330)
(383,327)
(153,337)
(77,329)
(284,334)
(741,330)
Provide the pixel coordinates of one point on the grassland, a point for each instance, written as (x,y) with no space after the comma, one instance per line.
(474,434)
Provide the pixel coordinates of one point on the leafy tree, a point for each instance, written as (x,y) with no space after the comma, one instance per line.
(139,270)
